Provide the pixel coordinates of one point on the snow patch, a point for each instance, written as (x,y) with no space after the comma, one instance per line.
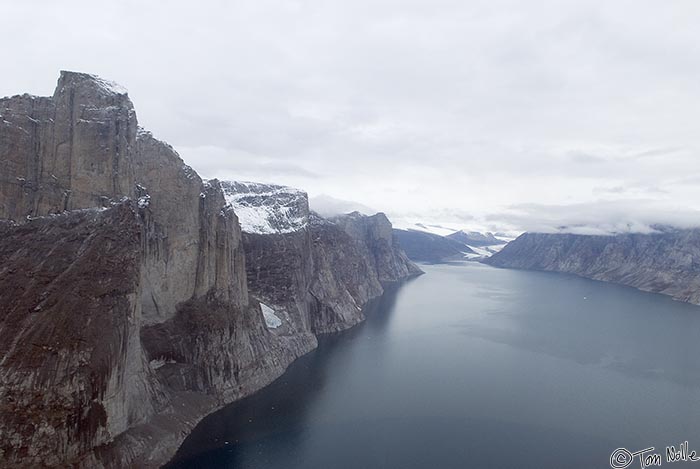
(266,208)
(144,201)
(484,251)
(189,172)
(109,86)
(271,319)
(159,363)
(141,132)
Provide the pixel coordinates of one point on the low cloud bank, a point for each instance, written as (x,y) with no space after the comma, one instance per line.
(328,206)
(597,218)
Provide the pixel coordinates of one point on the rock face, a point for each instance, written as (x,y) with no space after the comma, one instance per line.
(428,247)
(125,312)
(666,262)
(73,372)
(376,238)
(309,270)
(72,150)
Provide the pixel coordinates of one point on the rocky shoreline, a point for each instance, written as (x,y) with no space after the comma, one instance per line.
(662,262)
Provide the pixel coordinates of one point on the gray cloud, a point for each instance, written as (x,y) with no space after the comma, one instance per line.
(598,217)
(327,206)
(434,109)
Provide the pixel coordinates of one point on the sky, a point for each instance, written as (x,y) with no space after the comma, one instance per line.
(495,114)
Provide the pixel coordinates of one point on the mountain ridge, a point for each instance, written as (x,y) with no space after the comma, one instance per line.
(663,262)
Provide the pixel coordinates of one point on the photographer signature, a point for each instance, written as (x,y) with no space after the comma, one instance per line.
(622,458)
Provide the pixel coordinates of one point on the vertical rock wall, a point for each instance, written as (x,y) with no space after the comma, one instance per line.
(73,150)
(125,313)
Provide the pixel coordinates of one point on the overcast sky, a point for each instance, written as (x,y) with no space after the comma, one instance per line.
(510,114)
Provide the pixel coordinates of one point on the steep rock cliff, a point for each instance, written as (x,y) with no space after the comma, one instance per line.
(312,273)
(191,247)
(125,313)
(375,236)
(72,150)
(72,372)
(666,262)
(344,277)
(125,345)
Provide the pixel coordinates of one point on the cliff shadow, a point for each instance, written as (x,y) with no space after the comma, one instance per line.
(281,410)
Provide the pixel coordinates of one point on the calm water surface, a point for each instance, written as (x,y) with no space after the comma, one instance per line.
(472,366)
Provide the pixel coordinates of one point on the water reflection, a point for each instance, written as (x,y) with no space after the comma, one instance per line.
(280,410)
(471,366)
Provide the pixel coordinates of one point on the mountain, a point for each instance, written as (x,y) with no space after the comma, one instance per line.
(378,242)
(666,262)
(425,242)
(315,272)
(131,301)
(428,247)
(476,239)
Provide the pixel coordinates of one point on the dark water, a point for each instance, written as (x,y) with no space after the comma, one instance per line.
(471,366)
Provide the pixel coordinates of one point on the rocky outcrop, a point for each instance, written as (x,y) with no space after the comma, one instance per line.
(125,312)
(429,247)
(666,262)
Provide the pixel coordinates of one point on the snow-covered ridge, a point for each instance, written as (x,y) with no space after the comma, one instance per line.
(105,87)
(267,208)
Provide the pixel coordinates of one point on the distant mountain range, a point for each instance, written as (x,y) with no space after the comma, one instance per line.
(474,238)
(436,243)
(428,247)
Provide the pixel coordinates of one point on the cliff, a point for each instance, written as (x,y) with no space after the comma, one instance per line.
(313,274)
(73,372)
(376,239)
(126,312)
(666,262)
(72,150)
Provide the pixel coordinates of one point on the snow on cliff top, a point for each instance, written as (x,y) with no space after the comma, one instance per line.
(267,208)
(109,86)
(105,86)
